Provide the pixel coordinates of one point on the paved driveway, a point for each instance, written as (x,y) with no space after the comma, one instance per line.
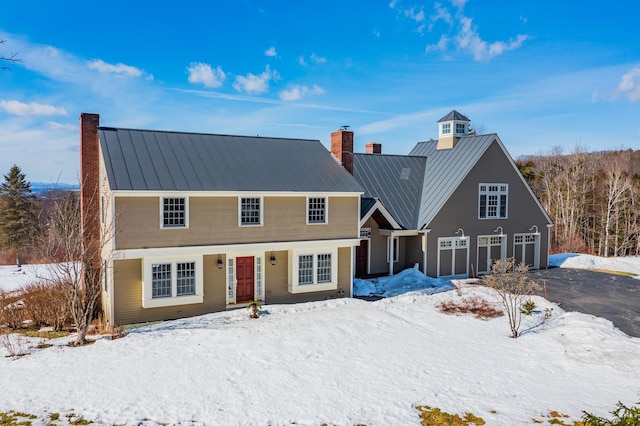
(610,296)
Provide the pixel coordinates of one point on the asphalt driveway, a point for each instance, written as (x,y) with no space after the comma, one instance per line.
(614,297)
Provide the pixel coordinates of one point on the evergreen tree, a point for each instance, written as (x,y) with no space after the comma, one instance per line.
(18,217)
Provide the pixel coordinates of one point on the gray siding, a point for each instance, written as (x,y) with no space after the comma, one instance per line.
(461,209)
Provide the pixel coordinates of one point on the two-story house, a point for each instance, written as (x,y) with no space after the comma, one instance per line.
(198,223)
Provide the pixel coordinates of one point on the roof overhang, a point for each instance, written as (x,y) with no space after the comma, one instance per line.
(379,210)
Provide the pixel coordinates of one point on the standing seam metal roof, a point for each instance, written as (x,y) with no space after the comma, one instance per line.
(176,161)
(397,180)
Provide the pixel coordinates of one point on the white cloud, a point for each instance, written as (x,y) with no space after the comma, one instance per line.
(441,14)
(465,37)
(297,92)
(302,61)
(441,45)
(271,51)
(258,84)
(32,108)
(203,73)
(317,59)
(629,85)
(393,4)
(117,69)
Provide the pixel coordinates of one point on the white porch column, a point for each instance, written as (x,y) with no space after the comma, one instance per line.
(391,253)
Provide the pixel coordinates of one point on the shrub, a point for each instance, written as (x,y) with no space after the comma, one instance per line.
(46,305)
(12,313)
(528,307)
(510,281)
(622,416)
(475,305)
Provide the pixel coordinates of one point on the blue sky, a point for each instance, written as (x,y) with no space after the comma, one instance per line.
(539,73)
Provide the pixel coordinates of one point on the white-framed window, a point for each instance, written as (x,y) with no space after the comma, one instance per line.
(250,211)
(446,128)
(317,210)
(313,271)
(231,296)
(396,251)
(169,282)
(492,200)
(173,212)
(365,233)
(460,128)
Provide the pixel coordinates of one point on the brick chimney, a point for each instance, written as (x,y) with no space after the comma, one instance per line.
(90,192)
(342,148)
(373,148)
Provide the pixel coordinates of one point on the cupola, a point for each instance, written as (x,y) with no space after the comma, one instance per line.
(452,127)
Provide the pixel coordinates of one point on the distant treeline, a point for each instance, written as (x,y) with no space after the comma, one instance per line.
(593,199)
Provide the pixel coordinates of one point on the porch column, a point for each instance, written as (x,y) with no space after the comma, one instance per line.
(391,253)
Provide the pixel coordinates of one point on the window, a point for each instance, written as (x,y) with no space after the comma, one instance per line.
(161,280)
(186,279)
(305,269)
(446,128)
(174,212)
(396,240)
(313,271)
(324,268)
(459,128)
(493,201)
(172,282)
(250,211)
(317,210)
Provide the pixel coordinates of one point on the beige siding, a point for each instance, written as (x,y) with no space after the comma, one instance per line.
(378,249)
(214,220)
(461,210)
(128,294)
(277,279)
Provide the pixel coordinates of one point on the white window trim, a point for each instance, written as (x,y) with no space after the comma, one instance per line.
(326,211)
(444,126)
(261,198)
(186,213)
(296,288)
(396,249)
(506,212)
(147,285)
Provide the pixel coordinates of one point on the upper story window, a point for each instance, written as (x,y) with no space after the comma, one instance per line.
(174,212)
(446,128)
(493,200)
(317,210)
(460,128)
(250,211)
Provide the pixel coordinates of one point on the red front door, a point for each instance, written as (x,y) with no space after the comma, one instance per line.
(244,279)
(362,255)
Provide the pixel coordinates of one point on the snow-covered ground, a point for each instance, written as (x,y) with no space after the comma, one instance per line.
(13,278)
(338,362)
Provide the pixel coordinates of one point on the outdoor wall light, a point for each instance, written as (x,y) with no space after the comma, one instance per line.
(534,228)
(272,259)
(461,232)
(499,228)
(219,262)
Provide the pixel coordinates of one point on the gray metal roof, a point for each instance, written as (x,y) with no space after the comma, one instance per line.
(453,115)
(366,203)
(446,169)
(397,180)
(174,161)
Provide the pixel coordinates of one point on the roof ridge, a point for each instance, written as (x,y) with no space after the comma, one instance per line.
(108,128)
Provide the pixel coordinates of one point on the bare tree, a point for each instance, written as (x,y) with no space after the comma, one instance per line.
(510,281)
(617,189)
(72,260)
(13,57)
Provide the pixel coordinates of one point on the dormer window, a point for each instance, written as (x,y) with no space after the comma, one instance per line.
(446,128)
(460,128)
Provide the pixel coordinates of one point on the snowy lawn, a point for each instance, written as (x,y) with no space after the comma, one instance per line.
(339,362)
